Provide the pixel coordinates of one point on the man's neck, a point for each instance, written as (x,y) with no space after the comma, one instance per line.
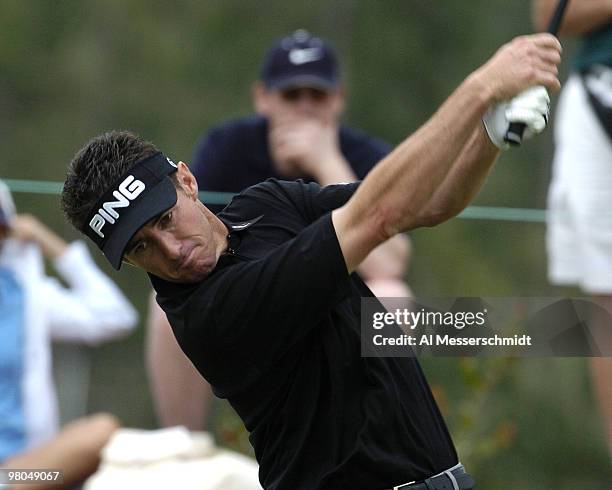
(220,233)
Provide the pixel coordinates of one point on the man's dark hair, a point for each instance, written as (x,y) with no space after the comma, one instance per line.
(96,167)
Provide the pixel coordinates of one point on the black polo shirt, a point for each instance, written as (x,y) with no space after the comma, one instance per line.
(275,329)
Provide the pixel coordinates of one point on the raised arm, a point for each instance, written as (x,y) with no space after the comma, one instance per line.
(395,196)
(464,179)
(582,16)
(91,309)
(27,228)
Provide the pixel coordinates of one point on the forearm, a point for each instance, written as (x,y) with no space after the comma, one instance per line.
(335,170)
(389,260)
(582,16)
(52,245)
(465,178)
(26,227)
(399,187)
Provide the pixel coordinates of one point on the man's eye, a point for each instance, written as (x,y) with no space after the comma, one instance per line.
(167,218)
(316,95)
(139,248)
(291,95)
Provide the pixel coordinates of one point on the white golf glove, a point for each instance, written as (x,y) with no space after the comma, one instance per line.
(531,107)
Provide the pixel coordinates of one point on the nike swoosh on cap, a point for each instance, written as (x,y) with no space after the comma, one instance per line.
(305,55)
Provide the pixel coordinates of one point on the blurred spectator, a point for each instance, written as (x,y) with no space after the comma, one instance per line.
(34,310)
(579,237)
(295,133)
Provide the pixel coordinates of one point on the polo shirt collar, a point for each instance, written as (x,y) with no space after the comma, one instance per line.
(234,226)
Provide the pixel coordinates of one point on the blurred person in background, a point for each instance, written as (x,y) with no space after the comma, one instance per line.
(579,234)
(35,310)
(296,132)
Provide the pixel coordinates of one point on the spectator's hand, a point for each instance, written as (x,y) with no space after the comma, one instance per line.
(303,146)
(28,228)
(524,62)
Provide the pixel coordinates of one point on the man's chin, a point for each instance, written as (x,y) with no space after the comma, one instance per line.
(188,276)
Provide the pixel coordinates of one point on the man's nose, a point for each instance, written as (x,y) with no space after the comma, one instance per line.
(169,246)
(305,103)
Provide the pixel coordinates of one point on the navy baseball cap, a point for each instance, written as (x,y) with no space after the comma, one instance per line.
(139,195)
(300,60)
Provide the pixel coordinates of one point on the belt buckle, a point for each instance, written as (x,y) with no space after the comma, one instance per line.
(445,475)
(403,485)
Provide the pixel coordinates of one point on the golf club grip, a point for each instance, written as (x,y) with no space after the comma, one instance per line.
(514,135)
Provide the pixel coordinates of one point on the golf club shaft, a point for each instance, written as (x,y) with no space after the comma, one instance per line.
(514,136)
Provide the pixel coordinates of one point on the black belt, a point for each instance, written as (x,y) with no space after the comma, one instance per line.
(454,478)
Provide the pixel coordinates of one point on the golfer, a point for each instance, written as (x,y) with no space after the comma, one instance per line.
(262,297)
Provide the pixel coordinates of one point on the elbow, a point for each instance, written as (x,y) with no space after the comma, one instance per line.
(128,321)
(123,320)
(391,220)
(403,250)
(440,210)
(131,320)
(116,326)
(431,218)
(110,333)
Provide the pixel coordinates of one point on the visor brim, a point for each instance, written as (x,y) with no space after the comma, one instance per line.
(153,202)
(303,81)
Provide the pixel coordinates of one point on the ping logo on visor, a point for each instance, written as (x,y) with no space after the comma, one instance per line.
(142,192)
(129,190)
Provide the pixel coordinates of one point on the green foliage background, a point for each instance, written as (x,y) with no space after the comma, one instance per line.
(168,70)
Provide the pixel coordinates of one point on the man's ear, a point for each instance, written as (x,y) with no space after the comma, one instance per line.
(259,95)
(187,180)
(339,101)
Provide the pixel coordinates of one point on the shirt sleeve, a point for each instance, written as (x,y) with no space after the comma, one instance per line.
(92,309)
(318,200)
(292,199)
(256,311)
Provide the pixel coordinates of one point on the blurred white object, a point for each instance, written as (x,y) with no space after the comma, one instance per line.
(171,458)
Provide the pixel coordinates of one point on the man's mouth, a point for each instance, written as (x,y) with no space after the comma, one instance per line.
(187,259)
